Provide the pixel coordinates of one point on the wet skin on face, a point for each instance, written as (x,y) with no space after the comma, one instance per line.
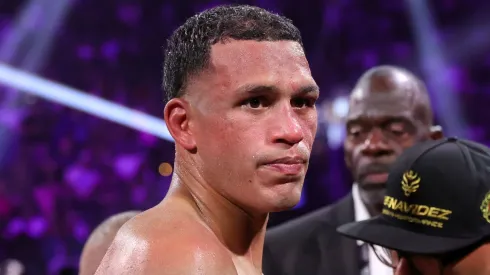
(254,121)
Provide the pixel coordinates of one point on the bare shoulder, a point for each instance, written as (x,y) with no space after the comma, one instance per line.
(156,244)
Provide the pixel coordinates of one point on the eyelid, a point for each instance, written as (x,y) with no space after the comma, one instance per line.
(311,96)
(397,126)
(247,99)
(353,126)
(307,101)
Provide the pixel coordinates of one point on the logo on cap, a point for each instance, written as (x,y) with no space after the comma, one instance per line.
(410,182)
(485,207)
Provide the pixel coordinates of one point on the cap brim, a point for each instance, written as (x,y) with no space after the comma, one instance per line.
(381,232)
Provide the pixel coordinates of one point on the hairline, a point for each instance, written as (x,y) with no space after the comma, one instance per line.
(207,61)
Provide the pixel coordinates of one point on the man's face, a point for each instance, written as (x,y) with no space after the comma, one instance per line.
(254,121)
(472,263)
(418,265)
(380,126)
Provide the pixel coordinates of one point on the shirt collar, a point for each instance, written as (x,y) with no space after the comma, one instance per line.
(360,210)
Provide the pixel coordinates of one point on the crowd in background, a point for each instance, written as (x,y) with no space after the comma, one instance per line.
(66,171)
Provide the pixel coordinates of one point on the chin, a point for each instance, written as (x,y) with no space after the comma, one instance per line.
(280,196)
(284,205)
(283,202)
(373,196)
(372,185)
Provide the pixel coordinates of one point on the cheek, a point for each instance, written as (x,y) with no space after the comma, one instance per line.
(348,156)
(402,146)
(227,135)
(355,152)
(427,266)
(310,125)
(409,141)
(469,264)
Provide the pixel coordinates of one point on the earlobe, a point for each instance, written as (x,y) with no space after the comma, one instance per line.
(177,115)
(436,132)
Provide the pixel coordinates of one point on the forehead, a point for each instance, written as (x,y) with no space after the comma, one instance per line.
(236,63)
(237,55)
(374,106)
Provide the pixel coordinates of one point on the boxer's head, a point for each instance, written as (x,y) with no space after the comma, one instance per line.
(100,240)
(242,105)
(389,111)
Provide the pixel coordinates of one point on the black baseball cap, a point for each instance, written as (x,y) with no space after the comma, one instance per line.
(437,200)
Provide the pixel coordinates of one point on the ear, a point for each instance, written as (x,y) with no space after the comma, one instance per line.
(177,115)
(436,132)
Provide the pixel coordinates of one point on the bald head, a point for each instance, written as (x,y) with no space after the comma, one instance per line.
(100,240)
(389,111)
(391,81)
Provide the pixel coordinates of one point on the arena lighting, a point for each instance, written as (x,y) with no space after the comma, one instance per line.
(79,100)
(335,114)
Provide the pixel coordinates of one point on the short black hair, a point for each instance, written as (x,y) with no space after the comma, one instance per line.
(188,48)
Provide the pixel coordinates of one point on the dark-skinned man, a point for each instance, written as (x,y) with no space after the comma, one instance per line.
(389,111)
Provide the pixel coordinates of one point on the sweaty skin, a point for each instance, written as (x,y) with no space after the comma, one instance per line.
(100,240)
(243,134)
(389,111)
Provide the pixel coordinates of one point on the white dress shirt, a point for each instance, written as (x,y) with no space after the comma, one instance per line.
(376,267)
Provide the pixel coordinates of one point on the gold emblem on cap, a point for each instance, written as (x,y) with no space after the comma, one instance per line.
(410,182)
(485,207)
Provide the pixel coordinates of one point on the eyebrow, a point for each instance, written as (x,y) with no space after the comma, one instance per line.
(381,120)
(253,89)
(312,88)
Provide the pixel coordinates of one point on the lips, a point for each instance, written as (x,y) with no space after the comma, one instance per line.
(376,177)
(288,166)
(376,173)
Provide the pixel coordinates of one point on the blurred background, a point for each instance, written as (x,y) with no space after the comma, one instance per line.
(68,161)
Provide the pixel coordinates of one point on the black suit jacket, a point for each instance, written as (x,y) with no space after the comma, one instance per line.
(310,245)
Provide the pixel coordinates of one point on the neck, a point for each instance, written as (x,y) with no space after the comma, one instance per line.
(241,232)
(374,210)
(373,200)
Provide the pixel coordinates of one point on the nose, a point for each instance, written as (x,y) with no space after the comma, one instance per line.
(286,127)
(375,145)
